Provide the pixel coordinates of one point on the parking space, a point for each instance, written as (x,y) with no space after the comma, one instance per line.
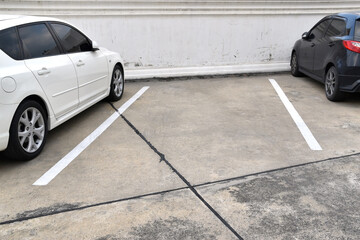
(138,175)
(221,127)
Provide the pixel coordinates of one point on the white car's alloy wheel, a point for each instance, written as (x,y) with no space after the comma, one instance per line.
(118,82)
(28,131)
(31,130)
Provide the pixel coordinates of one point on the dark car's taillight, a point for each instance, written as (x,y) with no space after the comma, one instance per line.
(352,45)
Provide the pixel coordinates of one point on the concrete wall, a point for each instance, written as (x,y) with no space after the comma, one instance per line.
(183,37)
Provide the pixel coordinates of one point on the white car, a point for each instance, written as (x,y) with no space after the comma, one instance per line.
(49,72)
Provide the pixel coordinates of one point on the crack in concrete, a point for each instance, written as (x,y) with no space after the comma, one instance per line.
(276,170)
(28,215)
(24,217)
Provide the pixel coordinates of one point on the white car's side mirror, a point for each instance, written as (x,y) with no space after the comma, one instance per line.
(95,46)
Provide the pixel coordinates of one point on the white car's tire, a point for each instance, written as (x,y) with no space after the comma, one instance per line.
(117,84)
(28,132)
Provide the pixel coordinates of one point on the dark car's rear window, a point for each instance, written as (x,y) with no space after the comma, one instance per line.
(336,28)
(357,30)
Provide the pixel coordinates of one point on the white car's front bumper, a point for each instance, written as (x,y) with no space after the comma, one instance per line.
(6,115)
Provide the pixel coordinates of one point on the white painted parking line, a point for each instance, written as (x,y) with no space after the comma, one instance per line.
(65,161)
(305,131)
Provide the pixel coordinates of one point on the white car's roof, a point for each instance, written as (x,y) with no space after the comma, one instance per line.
(7,21)
(7,17)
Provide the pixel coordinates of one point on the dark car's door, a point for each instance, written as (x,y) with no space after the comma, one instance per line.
(307,49)
(325,46)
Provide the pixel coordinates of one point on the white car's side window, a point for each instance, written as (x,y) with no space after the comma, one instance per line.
(37,41)
(9,43)
(71,39)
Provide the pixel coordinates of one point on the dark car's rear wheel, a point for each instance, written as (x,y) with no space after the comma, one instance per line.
(294,64)
(332,89)
(28,132)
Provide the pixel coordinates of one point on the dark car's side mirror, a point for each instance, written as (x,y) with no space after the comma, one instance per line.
(305,35)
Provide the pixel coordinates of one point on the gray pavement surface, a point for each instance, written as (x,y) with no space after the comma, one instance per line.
(315,201)
(214,158)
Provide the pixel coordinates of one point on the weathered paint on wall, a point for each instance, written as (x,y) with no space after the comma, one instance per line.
(184,34)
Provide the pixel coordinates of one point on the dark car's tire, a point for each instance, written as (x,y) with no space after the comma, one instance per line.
(294,64)
(117,84)
(332,89)
(28,132)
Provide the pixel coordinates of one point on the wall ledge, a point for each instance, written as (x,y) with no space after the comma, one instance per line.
(175,7)
(137,74)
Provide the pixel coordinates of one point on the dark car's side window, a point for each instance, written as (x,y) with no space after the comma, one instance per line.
(37,41)
(72,40)
(319,30)
(336,28)
(9,43)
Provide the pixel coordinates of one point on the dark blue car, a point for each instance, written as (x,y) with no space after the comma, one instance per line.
(330,53)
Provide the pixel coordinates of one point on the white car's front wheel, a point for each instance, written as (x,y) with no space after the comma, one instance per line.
(117,84)
(28,132)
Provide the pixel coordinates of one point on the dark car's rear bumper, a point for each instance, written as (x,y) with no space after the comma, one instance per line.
(349,83)
(349,72)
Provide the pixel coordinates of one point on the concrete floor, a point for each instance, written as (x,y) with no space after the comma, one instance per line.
(216,158)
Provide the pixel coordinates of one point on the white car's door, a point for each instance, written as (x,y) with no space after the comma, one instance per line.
(91,66)
(54,71)
(92,73)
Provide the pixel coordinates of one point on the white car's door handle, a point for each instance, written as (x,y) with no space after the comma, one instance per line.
(80,63)
(43,71)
